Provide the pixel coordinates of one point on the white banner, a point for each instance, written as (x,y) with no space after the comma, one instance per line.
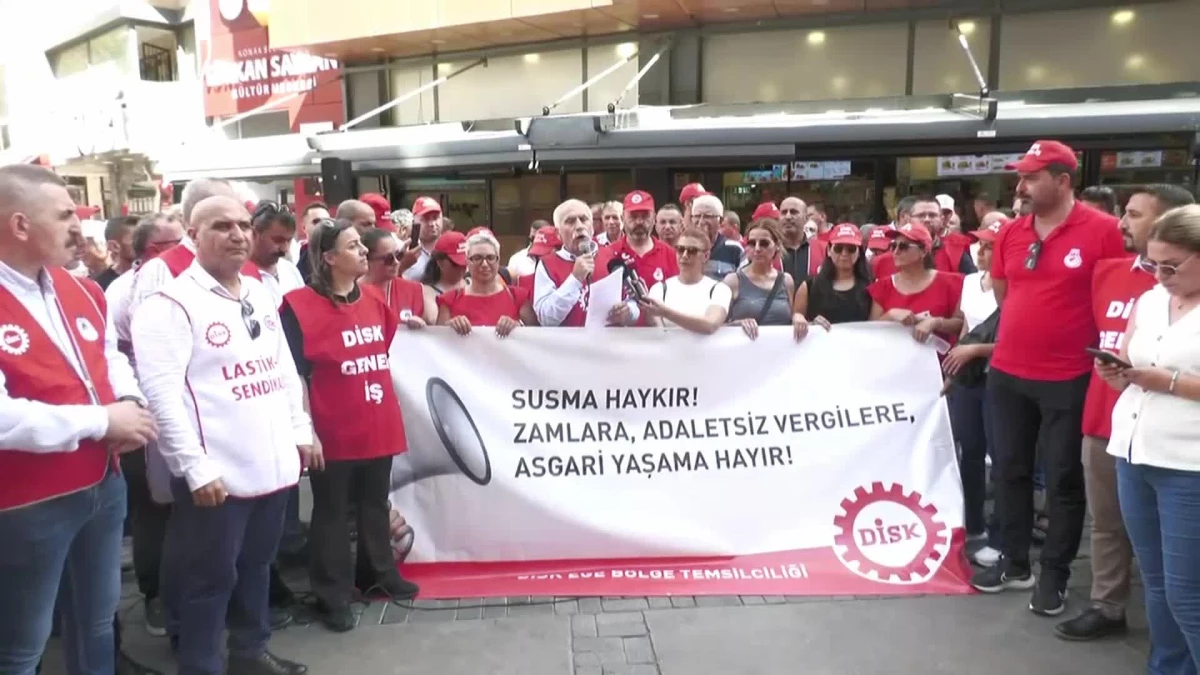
(556,446)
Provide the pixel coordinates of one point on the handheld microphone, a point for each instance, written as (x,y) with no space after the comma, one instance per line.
(589,248)
(615,264)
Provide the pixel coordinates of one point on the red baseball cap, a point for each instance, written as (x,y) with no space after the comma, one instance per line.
(454,245)
(766,210)
(990,232)
(879,239)
(914,233)
(545,241)
(382,208)
(1042,154)
(846,233)
(425,205)
(690,192)
(639,201)
(476,230)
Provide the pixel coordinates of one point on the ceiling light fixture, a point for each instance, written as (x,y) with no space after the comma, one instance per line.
(532,58)
(626,49)
(1123,17)
(966,27)
(816,37)
(1135,61)
(731,10)
(650,16)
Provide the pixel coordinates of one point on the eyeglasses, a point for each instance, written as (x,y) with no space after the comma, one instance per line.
(844,248)
(760,243)
(490,258)
(1035,252)
(929,215)
(392,258)
(688,250)
(248,320)
(1165,269)
(706,216)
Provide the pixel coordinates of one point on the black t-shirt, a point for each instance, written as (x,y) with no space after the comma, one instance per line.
(837,306)
(795,262)
(725,258)
(106,277)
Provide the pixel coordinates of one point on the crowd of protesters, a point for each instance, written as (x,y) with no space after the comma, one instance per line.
(228,326)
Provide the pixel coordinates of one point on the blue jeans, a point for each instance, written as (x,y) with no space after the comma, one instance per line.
(970,420)
(73,543)
(1161,509)
(224,556)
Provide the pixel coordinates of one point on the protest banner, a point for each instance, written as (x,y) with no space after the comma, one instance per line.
(658,462)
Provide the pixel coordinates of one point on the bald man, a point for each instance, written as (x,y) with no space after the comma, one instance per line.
(357,212)
(214,364)
(68,404)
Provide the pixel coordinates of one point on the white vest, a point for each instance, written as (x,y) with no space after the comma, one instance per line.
(1155,428)
(237,394)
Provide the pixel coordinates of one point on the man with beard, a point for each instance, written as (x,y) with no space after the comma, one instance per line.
(1116,285)
(563,278)
(668,224)
(1042,270)
(274,230)
(651,259)
(427,215)
(118,236)
(802,257)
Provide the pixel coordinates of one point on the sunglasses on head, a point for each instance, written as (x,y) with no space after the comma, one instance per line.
(254,328)
(844,248)
(267,208)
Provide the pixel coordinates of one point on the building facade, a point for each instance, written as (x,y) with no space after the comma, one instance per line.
(500,109)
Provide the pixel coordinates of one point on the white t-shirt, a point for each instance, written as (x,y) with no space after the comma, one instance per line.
(692,299)
(976,304)
(284,280)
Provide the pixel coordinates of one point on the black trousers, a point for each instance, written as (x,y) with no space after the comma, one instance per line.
(366,484)
(1028,415)
(148,524)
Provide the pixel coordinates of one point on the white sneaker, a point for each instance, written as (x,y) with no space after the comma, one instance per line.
(986,557)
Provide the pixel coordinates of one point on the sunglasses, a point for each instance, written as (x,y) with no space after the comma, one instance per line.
(490,258)
(688,250)
(1035,252)
(254,328)
(902,246)
(844,248)
(760,243)
(392,258)
(1165,269)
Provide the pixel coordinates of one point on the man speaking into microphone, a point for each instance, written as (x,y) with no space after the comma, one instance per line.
(68,404)
(563,279)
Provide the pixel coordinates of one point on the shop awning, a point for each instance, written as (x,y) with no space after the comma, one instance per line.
(423,148)
(265,158)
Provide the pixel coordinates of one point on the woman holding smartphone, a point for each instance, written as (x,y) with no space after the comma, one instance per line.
(1156,439)
(690,300)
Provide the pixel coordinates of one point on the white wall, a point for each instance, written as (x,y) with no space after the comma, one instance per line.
(608,89)
(511,86)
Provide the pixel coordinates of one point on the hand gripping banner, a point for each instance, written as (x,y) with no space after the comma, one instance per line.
(656,462)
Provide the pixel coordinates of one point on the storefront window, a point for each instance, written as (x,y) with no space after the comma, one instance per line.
(844,188)
(600,186)
(463,201)
(1125,170)
(115,50)
(517,202)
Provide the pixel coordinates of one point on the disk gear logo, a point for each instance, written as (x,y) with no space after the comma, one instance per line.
(888,536)
(13,339)
(217,334)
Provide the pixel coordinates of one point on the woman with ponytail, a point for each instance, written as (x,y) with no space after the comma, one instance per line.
(339,332)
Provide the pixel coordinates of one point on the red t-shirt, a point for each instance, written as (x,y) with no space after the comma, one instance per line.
(946,258)
(486,310)
(1116,285)
(939,299)
(658,264)
(1047,321)
(404,298)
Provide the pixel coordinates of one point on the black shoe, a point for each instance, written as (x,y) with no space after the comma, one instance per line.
(127,666)
(281,618)
(156,617)
(398,588)
(1091,625)
(337,618)
(263,664)
(1004,575)
(1049,596)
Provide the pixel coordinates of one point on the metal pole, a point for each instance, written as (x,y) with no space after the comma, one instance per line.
(637,78)
(962,41)
(412,94)
(577,90)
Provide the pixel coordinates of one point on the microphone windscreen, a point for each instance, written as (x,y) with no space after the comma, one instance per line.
(615,264)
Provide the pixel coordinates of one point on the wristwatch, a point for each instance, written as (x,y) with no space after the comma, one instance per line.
(133,399)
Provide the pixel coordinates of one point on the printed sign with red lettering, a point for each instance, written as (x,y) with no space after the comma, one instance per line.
(547,463)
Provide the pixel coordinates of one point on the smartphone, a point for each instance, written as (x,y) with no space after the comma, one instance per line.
(1108,358)
(416,235)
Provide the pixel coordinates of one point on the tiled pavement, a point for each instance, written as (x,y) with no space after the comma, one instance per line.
(721,635)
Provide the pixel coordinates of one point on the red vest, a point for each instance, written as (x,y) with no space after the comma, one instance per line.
(817,249)
(1115,287)
(35,369)
(355,412)
(559,269)
(955,245)
(179,258)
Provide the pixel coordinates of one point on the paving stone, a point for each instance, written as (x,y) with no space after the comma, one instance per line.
(631,670)
(589,605)
(493,612)
(624,604)
(514,600)
(566,607)
(753,600)
(718,601)
(395,614)
(659,603)
(589,670)
(619,617)
(495,601)
(468,613)
(683,601)
(587,659)
(530,610)
(774,599)
(432,615)
(586,645)
(639,650)
(583,625)
(434,604)
(607,659)
(623,629)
